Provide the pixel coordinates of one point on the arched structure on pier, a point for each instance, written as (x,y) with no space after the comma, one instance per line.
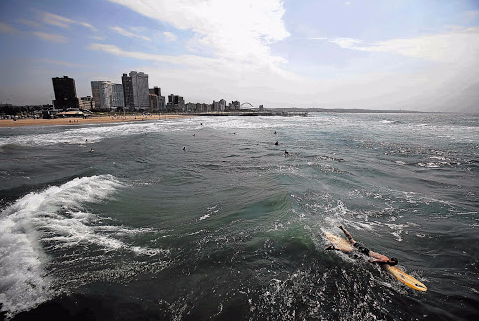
(246,104)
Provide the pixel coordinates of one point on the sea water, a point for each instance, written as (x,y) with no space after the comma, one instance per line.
(206,218)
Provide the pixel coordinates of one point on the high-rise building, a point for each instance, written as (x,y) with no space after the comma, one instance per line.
(127,92)
(102,94)
(117,97)
(87,103)
(141,90)
(236,105)
(222,105)
(65,93)
(154,103)
(136,91)
(161,99)
(175,103)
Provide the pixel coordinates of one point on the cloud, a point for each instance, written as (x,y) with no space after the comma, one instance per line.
(97,37)
(30,23)
(50,37)
(169,36)
(5,28)
(469,16)
(460,45)
(236,30)
(62,63)
(59,21)
(127,33)
(231,41)
(188,60)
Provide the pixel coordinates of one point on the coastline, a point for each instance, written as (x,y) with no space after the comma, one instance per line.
(80,121)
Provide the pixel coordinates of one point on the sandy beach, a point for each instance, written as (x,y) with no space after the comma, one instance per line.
(79,121)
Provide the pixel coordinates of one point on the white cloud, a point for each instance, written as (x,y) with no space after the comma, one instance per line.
(50,37)
(183,60)
(62,22)
(62,63)
(30,23)
(97,37)
(170,36)
(127,33)
(5,28)
(237,30)
(236,37)
(469,16)
(460,45)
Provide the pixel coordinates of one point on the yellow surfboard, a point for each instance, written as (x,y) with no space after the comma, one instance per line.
(343,245)
(339,242)
(405,278)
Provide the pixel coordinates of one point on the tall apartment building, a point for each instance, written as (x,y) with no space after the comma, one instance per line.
(154,103)
(127,92)
(65,93)
(102,94)
(234,105)
(222,105)
(87,103)
(175,103)
(161,99)
(117,97)
(136,91)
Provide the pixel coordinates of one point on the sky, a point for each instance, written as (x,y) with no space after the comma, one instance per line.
(397,54)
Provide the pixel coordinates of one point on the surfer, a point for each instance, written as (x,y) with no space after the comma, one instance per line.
(373,256)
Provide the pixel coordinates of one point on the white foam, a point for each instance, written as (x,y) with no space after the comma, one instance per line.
(23,280)
(204,217)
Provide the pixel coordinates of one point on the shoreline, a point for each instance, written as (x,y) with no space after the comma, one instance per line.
(81,121)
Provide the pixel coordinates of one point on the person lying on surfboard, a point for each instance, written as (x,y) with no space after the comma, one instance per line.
(373,256)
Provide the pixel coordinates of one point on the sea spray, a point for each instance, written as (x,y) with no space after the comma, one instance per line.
(24,282)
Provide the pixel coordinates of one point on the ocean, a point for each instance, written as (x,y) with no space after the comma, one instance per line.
(206,218)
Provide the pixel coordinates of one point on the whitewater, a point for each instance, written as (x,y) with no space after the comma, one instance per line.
(207,218)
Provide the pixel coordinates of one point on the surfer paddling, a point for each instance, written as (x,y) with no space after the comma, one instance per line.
(373,256)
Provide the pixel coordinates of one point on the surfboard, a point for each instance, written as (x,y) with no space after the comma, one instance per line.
(339,242)
(405,278)
(343,245)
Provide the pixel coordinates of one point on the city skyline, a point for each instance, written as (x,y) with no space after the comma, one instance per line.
(414,55)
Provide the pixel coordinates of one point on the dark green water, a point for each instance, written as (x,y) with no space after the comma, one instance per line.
(231,228)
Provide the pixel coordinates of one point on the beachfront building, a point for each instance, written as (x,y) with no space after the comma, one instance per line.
(198,107)
(222,105)
(102,92)
(234,105)
(127,92)
(162,103)
(86,103)
(215,106)
(154,103)
(161,99)
(65,93)
(117,97)
(176,104)
(136,91)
